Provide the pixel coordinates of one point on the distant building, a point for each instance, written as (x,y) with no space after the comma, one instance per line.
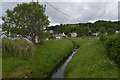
(51,31)
(59,36)
(96,34)
(117,32)
(36,39)
(47,39)
(74,34)
(63,34)
(2,35)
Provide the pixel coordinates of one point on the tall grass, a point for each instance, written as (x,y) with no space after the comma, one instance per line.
(90,61)
(46,57)
(49,54)
(17,47)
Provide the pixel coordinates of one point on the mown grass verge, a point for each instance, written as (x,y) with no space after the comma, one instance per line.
(44,59)
(90,61)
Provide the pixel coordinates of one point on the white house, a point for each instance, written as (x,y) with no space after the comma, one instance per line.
(96,34)
(51,31)
(117,32)
(74,34)
(2,35)
(46,38)
(59,36)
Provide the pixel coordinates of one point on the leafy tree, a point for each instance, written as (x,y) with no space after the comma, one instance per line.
(69,34)
(102,30)
(79,31)
(85,31)
(111,31)
(93,30)
(82,31)
(26,20)
(67,29)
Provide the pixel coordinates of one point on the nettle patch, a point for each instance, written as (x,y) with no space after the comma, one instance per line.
(102,65)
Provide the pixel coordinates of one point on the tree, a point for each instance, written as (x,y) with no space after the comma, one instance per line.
(102,30)
(93,30)
(85,31)
(79,31)
(67,29)
(111,31)
(26,20)
(69,34)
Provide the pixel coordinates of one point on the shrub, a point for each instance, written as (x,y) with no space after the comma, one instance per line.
(111,31)
(64,37)
(103,37)
(69,34)
(113,46)
(53,37)
(17,47)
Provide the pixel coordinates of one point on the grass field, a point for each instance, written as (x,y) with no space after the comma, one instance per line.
(46,56)
(90,61)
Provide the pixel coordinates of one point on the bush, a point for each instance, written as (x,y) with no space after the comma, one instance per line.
(69,34)
(64,37)
(103,37)
(17,47)
(111,31)
(52,37)
(113,46)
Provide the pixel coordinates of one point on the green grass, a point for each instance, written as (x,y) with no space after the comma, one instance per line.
(49,54)
(46,56)
(10,62)
(90,61)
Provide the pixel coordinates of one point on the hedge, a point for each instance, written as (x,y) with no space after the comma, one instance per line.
(113,46)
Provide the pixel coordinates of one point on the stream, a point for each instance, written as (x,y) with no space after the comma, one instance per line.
(60,71)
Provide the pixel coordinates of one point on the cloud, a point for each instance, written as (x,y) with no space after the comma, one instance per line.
(5,6)
(82,11)
(61,0)
(77,11)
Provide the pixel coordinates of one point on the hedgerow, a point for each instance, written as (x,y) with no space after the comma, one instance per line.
(113,46)
(17,47)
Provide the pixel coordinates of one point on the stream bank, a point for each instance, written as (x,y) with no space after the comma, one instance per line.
(58,71)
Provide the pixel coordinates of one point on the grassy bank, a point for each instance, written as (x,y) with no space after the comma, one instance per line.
(90,61)
(44,59)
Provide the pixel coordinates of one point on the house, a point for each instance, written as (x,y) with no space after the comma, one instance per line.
(74,34)
(96,34)
(36,39)
(2,35)
(59,36)
(117,32)
(46,38)
(51,31)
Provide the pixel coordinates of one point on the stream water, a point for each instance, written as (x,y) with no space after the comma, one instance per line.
(60,71)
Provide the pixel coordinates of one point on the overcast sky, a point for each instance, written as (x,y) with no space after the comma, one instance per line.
(77,11)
